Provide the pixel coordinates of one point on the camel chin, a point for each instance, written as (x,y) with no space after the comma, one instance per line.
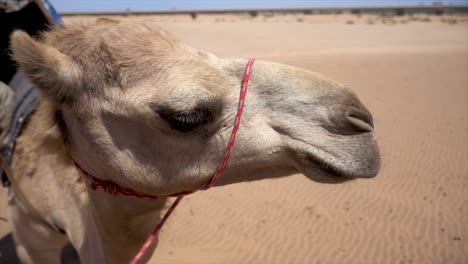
(330,163)
(324,173)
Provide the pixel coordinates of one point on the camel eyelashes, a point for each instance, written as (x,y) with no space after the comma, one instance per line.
(186,121)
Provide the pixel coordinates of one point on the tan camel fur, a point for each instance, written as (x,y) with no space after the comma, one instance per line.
(133,105)
(7,99)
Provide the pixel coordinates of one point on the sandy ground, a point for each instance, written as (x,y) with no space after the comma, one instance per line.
(414,79)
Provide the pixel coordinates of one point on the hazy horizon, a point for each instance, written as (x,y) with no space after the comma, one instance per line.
(148,5)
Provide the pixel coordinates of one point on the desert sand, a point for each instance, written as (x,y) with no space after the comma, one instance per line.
(414,79)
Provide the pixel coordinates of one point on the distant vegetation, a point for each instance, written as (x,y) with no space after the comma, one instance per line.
(435,9)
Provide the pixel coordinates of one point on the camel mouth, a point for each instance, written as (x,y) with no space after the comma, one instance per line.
(319,170)
(325,172)
(326,167)
(322,172)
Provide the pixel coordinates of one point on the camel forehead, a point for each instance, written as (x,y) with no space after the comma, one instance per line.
(82,34)
(126,54)
(107,47)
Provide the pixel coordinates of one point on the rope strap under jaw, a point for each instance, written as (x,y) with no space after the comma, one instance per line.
(115,189)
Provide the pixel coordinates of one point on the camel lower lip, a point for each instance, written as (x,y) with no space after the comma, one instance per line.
(324,176)
(317,162)
(320,171)
(328,165)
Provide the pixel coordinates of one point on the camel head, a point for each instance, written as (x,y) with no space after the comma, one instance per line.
(150,113)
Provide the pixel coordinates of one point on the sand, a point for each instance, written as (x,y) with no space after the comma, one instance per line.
(414,79)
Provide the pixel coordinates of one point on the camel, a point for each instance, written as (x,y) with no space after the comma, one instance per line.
(133,105)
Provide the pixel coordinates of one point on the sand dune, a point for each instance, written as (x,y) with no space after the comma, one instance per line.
(414,78)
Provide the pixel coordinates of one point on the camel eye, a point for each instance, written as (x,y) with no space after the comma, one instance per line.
(186,121)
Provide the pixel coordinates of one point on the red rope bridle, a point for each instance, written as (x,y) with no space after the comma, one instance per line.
(115,189)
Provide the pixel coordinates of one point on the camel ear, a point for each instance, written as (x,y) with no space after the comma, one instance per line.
(54,73)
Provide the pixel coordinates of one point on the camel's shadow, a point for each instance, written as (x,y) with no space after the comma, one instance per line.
(8,252)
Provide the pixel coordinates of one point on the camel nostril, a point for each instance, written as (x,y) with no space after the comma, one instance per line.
(360,119)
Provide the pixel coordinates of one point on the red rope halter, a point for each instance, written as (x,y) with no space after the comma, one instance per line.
(115,189)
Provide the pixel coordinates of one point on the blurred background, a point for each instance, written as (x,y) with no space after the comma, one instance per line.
(408,62)
(68,6)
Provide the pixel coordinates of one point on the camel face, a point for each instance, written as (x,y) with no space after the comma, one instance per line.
(153,114)
(325,129)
